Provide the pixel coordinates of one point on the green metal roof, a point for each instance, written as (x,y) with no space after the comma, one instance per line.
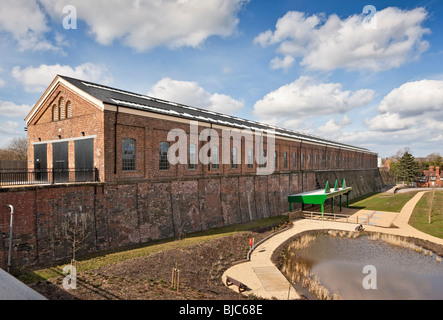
(319,196)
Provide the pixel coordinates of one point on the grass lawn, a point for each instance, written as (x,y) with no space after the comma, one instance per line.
(420,216)
(383,201)
(105,258)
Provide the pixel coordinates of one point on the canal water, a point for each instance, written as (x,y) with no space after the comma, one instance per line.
(394,272)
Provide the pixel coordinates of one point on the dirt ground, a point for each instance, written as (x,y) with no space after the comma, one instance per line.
(149,278)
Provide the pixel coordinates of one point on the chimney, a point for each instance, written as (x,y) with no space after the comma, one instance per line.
(431,168)
(437,170)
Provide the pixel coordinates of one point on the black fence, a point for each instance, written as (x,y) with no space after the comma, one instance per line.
(51,176)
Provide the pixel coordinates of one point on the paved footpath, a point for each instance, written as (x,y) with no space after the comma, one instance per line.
(265,280)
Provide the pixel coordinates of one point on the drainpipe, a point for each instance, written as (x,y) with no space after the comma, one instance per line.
(115,141)
(10,235)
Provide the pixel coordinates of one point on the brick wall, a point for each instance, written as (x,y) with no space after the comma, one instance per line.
(86,120)
(150,131)
(115,215)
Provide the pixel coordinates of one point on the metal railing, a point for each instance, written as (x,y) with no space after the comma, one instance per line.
(335,217)
(51,176)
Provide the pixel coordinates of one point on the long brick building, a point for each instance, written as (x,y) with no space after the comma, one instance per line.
(78,124)
(142,193)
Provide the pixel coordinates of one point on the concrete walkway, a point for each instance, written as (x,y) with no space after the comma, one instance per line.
(13,289)
(265,280)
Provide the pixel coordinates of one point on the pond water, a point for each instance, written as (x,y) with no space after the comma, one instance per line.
(400,273)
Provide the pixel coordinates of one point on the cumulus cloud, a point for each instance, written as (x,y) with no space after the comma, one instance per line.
(305,98)
(145,24)
(410,115)
(10,109)
(389,122)
(413,104)
(26,23)
(9,128)
(414,98)
(37,79)
(329,43)
(190,93)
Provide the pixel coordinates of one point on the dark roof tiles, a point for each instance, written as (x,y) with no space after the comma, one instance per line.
(132,100)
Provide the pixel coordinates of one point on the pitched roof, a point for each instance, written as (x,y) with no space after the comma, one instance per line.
(132,100)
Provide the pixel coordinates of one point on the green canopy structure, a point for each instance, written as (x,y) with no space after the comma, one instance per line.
(319,196)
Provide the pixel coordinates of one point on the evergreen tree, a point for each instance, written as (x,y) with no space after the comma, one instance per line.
(407,168)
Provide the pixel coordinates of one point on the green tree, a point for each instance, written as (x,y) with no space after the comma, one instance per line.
(407,169)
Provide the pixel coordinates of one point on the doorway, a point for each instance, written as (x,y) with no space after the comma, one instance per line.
(60,162)
(84,160)
(40,162)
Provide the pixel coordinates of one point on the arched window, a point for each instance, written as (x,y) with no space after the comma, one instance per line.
(285,160)
(275,159)
(234,160)
(263,159)
(54,113)
(215,158)
(250,158)
(62,110)
(128,155)
(69,109)
(192,157)
(163,150)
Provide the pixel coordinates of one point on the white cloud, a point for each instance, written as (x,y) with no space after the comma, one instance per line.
(389,122)
(26,23)
(438,138)
(9,128)
(10,109)
(305,98)
(145,24)
(227,70)
(414,104)
(410,115)
(285,63)
(190,93)
(37,79)
(414,98)
(332,129)
(330,43)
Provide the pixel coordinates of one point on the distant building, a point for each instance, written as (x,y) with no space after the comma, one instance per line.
(387,164)
(431,178)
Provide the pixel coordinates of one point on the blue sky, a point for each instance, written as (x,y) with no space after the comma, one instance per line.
(320,67)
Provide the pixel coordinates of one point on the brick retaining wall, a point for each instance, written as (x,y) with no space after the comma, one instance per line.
(115,215)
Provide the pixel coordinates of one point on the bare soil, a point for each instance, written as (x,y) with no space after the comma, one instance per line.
(150,277)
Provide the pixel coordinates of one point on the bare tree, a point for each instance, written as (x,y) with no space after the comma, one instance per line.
(17,149)
(76,234)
